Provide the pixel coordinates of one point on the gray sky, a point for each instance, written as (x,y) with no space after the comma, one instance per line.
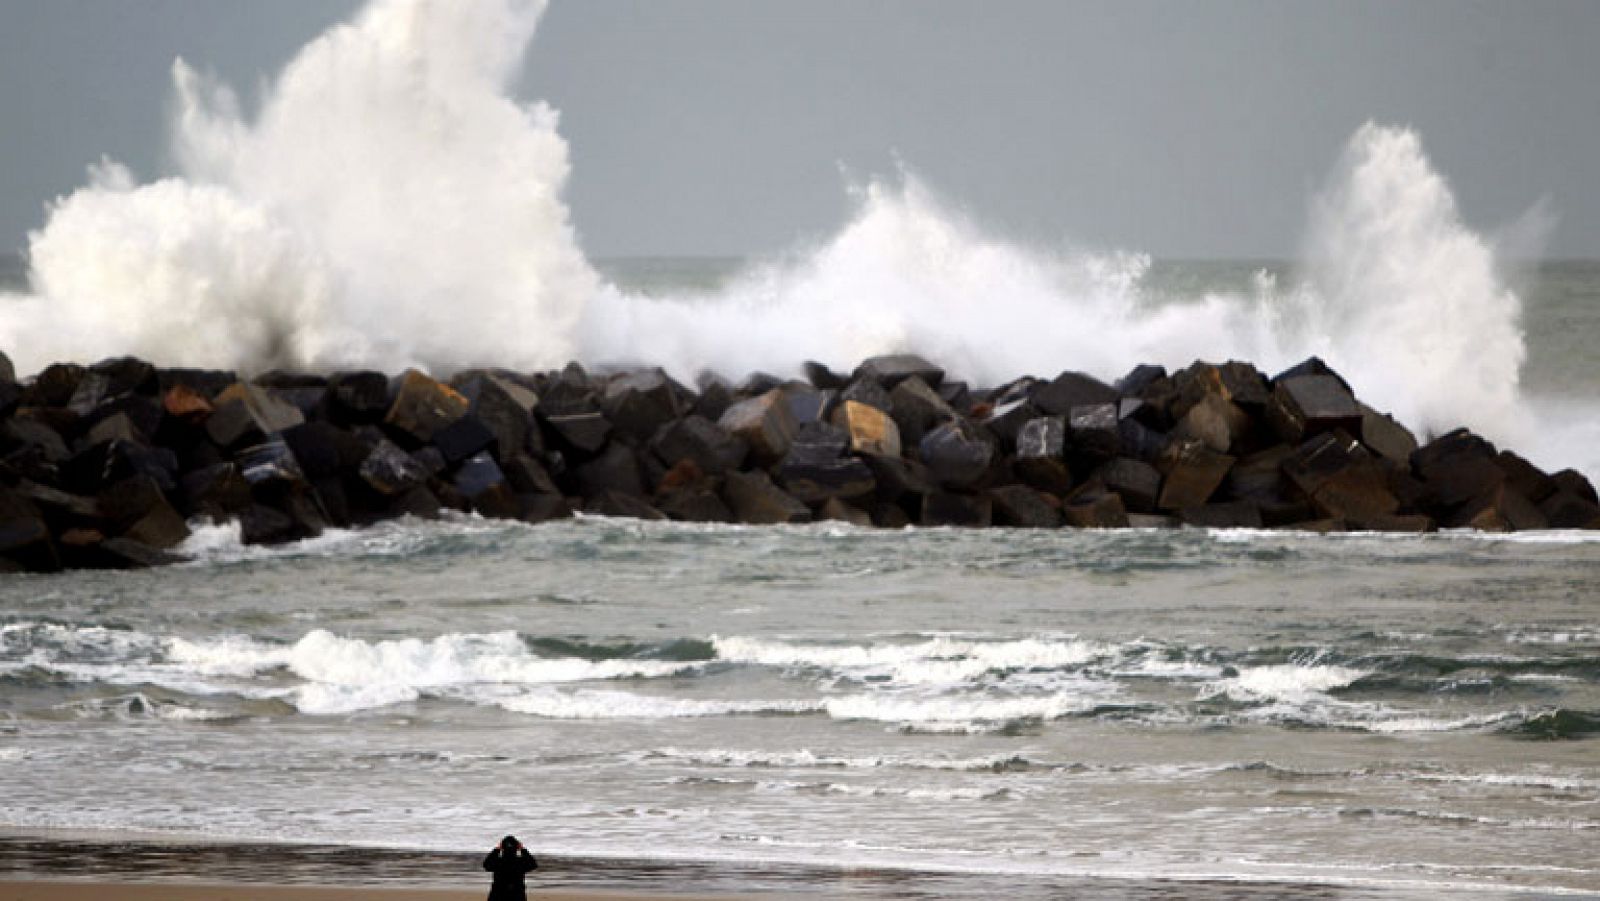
(721,126)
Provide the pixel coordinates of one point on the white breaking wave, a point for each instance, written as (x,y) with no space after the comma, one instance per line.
(390,204)
(964,712)
(953,713)
(335,674)
(1284,682)
(934,661)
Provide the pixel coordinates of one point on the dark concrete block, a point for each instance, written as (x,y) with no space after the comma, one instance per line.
(208,383)
(418,501)
(623,506)
(485,487)
(958,454)
(1136,482)
(836,510)
(1072,389)
(955,394)
(892,369)
(506,408)
(1310,366)
(1455,468)
(764,424)
(866,391)
(321,448)
(715,399)
(1415,523)
(1340,478)
(1574,482)
(916,408)
(870,430)
(1022,507)
(616,470)
(261,524)
(754,499)
(1104,511)
(693,504)
(1138,379)
(1223,515)
(357,398)
(639,403)
(537,508)
(391,471)
(26,432)
(422,407)
(1501,509)
(466,437)
(822,378)
(945,508)
(1566,510)
(1040,459)
(1005,421)
(217,492)
(1093,432)
(1308,405)
(712,448)
(810,406)
(1192,472)
(1387,438)
(816,467)
(53,386)
(1137,440)
(1218,422)
(269,462)
(1528,480)
(900,479)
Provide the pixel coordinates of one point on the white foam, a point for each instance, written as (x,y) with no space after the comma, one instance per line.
(606,705)
(391,204)
(1396,723)
(325,699)
(212,543)
(933,661)
(453,659)
(964,712)
(806,758)
(1284,682)
(388,205)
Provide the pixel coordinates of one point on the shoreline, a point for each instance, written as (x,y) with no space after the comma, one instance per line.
(155,867)
(96,890)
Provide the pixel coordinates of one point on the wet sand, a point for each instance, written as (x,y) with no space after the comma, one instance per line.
(124,891)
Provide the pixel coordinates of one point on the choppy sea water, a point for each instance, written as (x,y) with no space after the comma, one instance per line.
(1385,714)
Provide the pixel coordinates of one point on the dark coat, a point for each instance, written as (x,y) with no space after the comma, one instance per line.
(508,871)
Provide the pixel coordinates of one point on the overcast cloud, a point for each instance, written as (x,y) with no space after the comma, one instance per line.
(710,127)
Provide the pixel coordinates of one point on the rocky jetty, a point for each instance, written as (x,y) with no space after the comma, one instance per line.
(105,466)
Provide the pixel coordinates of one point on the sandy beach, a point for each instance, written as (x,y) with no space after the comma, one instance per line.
(125,891)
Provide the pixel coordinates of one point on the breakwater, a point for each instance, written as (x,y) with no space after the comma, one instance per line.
(106,465)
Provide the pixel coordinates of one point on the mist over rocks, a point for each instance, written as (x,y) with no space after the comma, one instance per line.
(109,465)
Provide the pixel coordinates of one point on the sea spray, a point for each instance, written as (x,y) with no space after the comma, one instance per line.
(1404,297)
(390,204)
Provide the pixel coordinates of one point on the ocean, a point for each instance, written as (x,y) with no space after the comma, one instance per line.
(926,713)
(962,709)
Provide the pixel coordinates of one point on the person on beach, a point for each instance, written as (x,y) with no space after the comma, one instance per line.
(509,862)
